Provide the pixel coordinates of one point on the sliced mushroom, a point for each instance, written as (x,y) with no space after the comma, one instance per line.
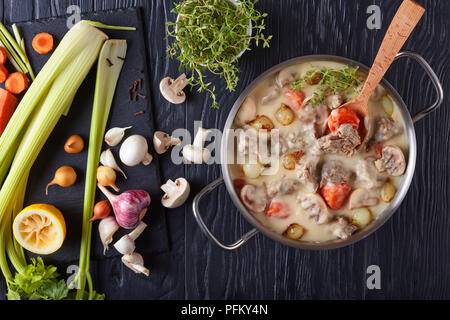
(286,76)
(195,152)
(176,193)
(368,174)
(172,90)
(361,198)
(135,262)
(274,92)
(392,160)
(247,112)
(254,198)
(163,141)
(314,207)
(341,228)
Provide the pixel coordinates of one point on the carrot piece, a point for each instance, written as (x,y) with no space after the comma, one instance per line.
(335,195)
(278,210)
(239,183)
(342,115)
(16,82)
(3,73)
(43,43)
(3,55)
(8,103)
(296,97)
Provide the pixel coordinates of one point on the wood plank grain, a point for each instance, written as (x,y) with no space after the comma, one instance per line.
(409,248)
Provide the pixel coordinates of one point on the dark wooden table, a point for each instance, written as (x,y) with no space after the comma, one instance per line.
(412,248)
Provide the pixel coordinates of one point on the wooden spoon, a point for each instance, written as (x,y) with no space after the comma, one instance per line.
(406,18)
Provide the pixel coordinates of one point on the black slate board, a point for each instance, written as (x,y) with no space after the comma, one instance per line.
(70,200)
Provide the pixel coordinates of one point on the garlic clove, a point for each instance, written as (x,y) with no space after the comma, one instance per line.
(107,159)
(126,244)
(135,262)
(106,228)
(114,135)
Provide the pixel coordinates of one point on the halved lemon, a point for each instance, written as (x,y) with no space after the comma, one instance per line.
(40,228)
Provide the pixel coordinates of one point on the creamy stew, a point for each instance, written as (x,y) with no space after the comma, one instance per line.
(324,187)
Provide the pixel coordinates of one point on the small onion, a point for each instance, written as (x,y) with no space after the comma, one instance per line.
(106,176)
(74,144)
(65,176)
(102,209)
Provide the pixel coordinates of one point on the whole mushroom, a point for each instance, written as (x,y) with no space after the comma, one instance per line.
(176,193)
(172,90)
(195,152)
(163,141)
(134,150)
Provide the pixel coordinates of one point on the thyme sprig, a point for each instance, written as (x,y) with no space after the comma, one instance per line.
(209,34)
(332,81)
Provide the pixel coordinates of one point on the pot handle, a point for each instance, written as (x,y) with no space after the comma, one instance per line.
(210,187)
(434,79)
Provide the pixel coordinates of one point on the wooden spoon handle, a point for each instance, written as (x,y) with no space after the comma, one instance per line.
(406,18)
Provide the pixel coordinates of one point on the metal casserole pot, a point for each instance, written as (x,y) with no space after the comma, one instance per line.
(382,217)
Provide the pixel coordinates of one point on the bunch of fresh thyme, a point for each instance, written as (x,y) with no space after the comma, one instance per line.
(332,81)
(209,34)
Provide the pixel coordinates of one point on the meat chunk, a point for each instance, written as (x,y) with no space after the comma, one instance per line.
(282,187)
(361,198)
(306,171)
(341,228)
(392,160)
(314,207)
(367,173)
(333,171)
(333,101)
(274,93)
(317,115)
(385,129)
(344,140)
(254,198)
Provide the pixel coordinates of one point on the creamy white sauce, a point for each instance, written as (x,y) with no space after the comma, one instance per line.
(313,231)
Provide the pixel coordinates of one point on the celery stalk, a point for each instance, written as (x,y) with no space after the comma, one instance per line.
(43,122)
(79,37)
(105,86)
(15,251)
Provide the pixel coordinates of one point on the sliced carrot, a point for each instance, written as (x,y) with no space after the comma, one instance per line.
(16,83)
(342,115)
(335,195)
(239,183)
(8,103)
(295,97)
(3,55)
(278,210)
(43,43)
(3,73)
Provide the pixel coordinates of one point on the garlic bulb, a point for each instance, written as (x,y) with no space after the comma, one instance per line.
(115,135)
(107,159)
